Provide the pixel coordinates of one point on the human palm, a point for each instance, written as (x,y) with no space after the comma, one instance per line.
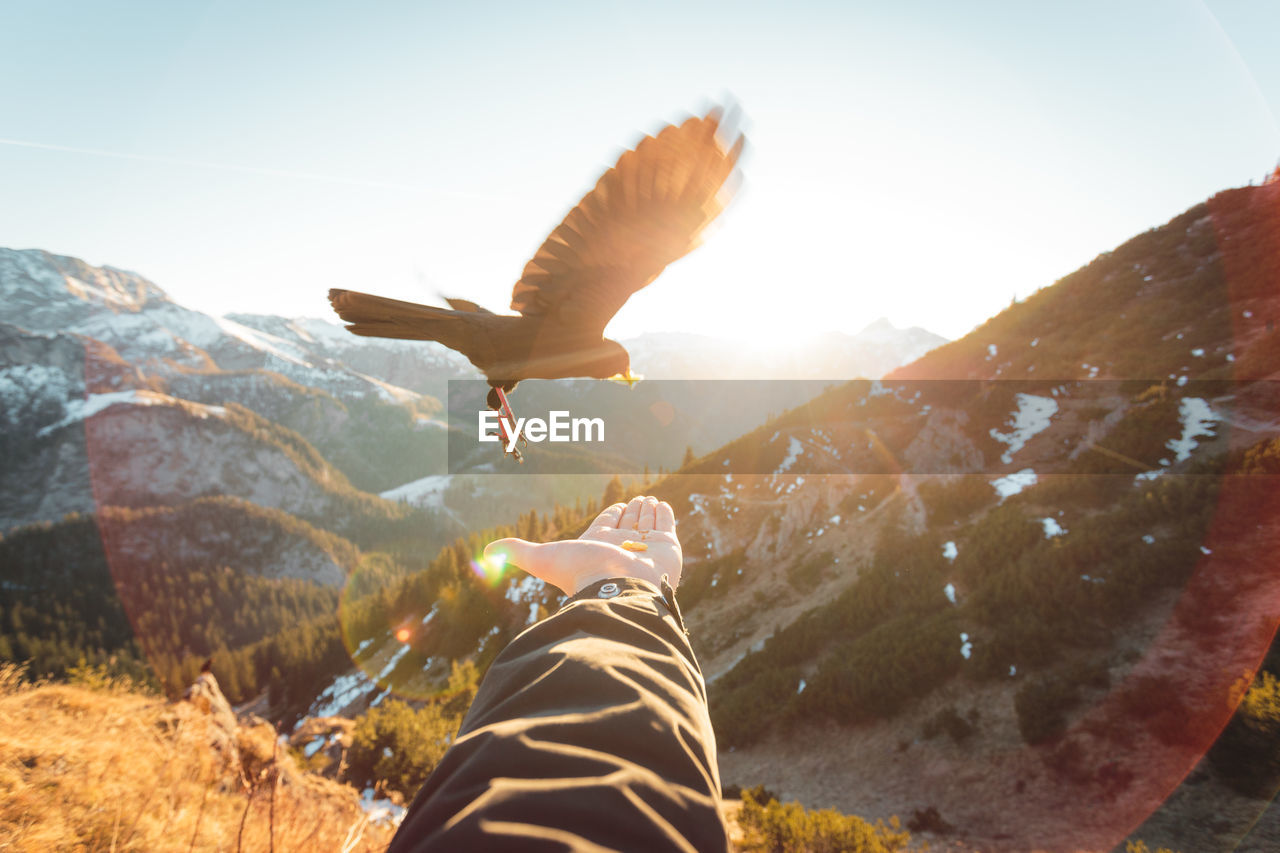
(636,539)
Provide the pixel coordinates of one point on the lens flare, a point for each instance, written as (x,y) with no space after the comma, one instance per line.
(491,568)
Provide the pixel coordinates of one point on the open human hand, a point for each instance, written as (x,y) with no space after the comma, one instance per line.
(610,548)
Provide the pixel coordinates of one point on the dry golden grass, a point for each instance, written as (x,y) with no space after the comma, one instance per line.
(113,770)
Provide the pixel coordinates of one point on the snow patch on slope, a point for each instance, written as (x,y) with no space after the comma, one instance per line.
(257,340)
(344,690)
(1009,486)
(794,449)
(1031,418)
(1197,419)
(429,491)
(528,591)
(1052,528)
(79,410)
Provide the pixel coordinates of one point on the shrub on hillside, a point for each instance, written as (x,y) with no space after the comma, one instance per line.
(1141,847)
(1021,642)
(949,722)
(746,713)
(1140,437)
(807,574)
(992,546)
(1262,458)
(711,578)
(1082,491)
(929,820)
(759,793)
(398,745)
(1156,702)
(951,499)
(878,674)
(1247,755)
(1041,705)
(112,675)
(791,828)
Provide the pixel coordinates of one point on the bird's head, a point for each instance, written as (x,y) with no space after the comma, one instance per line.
(611,361)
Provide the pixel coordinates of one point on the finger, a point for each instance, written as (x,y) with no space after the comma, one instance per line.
(609,516)
(664,518)
(514,552)
(647,513)
(631,515)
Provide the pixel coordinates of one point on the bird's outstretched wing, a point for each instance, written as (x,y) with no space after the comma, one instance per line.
(644,213)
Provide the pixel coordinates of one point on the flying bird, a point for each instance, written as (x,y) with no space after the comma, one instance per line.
(647,211)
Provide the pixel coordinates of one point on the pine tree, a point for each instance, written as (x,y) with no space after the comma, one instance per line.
(689,458)
(613,492)
(275,689)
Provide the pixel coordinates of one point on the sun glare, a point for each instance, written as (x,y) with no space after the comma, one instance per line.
(489,568)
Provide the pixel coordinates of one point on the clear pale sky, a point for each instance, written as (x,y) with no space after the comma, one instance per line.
(923,161)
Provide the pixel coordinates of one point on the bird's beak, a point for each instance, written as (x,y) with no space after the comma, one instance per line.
(629,379)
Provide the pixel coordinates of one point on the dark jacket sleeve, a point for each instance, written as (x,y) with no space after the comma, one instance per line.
(589,732)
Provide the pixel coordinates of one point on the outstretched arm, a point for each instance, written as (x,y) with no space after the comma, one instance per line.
(590,731)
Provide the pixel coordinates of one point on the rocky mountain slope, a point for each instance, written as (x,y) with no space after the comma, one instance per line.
(56,294)
(1024,579)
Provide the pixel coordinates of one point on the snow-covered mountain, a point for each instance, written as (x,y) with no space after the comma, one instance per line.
(57,294)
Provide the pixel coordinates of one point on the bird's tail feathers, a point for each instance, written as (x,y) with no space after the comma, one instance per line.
(356,307)
(380,317)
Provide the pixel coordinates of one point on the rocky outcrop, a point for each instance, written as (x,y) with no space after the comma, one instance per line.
(324,742)
(206,698)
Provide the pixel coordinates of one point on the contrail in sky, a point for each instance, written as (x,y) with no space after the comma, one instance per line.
(253,170)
